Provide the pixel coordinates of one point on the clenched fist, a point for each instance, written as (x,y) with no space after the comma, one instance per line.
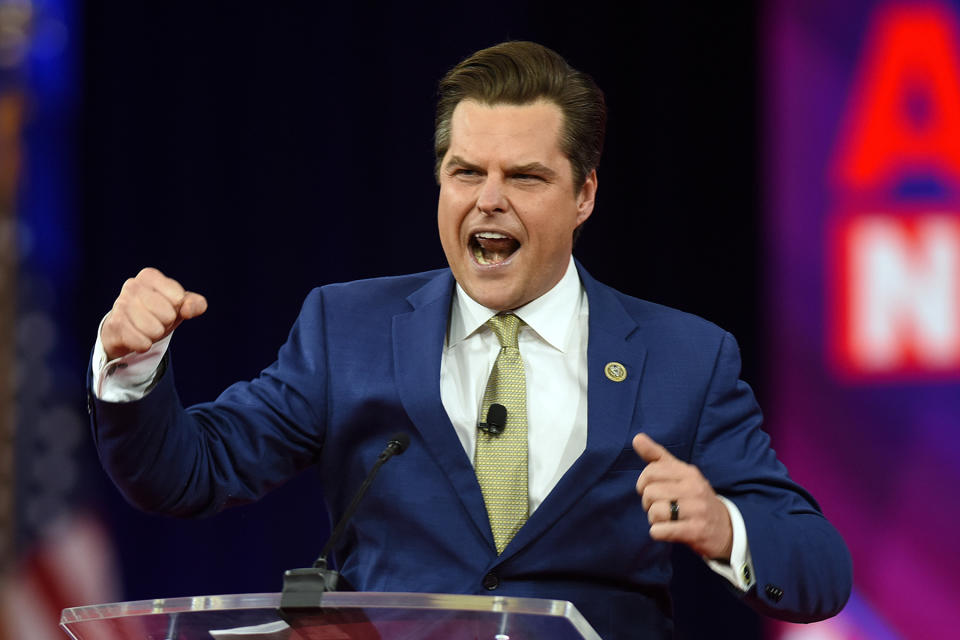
(147,310)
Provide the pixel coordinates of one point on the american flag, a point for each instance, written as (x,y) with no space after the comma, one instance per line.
(54,553)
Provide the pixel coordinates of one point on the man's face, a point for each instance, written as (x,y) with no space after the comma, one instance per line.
(507,206)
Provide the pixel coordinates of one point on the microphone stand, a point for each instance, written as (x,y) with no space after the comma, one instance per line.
(304,588)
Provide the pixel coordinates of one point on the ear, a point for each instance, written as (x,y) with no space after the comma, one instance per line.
(586,197)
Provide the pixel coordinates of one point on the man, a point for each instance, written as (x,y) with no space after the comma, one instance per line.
(606,396)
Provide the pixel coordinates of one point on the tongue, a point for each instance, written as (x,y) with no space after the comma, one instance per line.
(497,249)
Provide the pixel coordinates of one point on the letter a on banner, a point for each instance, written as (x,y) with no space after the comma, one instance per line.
(905,111)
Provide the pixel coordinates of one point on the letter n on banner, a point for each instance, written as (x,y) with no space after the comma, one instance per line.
(895,279)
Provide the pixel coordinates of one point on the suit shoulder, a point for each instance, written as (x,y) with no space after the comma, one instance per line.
(386,292)
(670,323)
(680,342)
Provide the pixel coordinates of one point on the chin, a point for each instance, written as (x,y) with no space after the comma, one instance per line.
(493,298)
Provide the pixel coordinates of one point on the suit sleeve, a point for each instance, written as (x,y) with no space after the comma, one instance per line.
(190,462)
(802,565)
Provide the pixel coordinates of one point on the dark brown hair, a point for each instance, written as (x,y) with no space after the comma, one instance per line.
(519,73)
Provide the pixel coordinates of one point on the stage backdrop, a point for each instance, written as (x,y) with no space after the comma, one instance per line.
(863,292)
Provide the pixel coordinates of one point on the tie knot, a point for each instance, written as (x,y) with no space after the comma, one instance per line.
(505,326)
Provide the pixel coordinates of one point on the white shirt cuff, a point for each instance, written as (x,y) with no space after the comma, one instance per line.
(128,378)
(739,571)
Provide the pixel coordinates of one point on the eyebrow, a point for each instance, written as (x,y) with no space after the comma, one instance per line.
(457,161)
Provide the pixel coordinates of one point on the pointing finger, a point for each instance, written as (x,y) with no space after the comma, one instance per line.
(649,450)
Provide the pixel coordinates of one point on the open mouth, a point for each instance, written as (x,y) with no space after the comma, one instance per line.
(490,247)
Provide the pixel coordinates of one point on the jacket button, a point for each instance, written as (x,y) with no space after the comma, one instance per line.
(773,592)
(491,581)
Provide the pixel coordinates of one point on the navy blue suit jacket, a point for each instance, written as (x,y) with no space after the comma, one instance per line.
(363,360)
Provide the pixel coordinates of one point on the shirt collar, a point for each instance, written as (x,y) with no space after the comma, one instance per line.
(550,316)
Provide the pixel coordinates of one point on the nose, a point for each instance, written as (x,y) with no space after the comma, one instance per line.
(491,198)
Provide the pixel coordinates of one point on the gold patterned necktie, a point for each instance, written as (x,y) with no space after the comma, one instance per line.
(501,460)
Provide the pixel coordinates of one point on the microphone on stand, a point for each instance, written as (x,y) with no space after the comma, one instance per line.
(304,588)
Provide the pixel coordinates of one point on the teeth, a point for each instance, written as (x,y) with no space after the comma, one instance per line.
(491,247)
(478,254)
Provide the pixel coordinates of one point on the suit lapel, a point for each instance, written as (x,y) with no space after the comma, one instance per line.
(418,338)
(610,407)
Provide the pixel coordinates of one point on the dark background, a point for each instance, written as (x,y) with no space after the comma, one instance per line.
(254,151)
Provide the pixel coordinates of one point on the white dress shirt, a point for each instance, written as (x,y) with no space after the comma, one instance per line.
(553,345)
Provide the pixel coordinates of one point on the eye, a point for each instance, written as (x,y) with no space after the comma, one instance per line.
(462,172)
(527,177)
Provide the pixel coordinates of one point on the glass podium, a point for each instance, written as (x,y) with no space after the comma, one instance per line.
(344,616)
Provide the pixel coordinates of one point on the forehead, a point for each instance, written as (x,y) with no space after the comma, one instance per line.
(528,129)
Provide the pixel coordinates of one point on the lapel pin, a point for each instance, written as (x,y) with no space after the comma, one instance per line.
(615,371)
